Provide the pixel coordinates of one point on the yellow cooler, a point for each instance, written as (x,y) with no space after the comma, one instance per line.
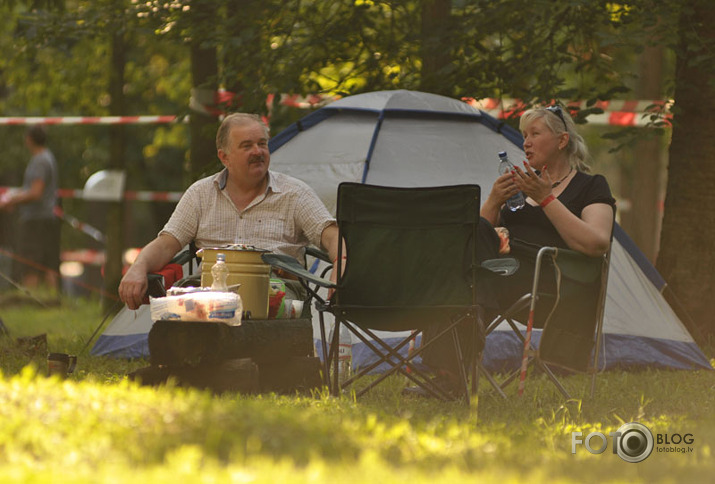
(245,268)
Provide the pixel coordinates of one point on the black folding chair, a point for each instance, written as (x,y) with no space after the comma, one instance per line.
(411,263)
(571,314)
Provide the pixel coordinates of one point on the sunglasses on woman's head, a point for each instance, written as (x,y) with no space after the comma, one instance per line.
(558,112)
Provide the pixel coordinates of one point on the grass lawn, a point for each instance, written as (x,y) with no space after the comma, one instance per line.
(97,427)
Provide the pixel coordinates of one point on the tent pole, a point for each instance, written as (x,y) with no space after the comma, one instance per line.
(104,320)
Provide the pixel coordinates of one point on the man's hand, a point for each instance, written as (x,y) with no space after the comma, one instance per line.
(153,257)
(329,241)
(133,287)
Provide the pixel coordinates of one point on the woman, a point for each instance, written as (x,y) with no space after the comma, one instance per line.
(565,207)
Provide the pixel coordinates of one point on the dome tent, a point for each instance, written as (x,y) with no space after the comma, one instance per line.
(412,139)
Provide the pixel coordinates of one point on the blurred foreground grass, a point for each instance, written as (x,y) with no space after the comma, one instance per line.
(97,427)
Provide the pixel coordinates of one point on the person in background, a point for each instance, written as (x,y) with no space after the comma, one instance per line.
(245,203)
(39,229)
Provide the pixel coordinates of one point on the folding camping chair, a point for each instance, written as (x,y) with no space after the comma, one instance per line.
(173,274)
(572,316)
(411,263)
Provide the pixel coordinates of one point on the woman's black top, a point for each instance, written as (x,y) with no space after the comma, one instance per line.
(531,224)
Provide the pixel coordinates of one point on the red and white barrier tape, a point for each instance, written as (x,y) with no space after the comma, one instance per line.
(140,196)
(67,256)
(303,102)
(616,113)
(145,196)
(88,120)
(85,256)
(77,224)
(198,103)
(635,106)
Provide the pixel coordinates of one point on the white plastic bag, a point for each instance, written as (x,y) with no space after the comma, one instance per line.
(205,306)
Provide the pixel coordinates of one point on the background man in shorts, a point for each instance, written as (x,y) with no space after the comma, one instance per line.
(38,242)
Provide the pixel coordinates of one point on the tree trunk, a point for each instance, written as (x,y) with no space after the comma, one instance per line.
(686,258)
(435,45)
(242,61)
(115,210)
(204,77)
(643,180)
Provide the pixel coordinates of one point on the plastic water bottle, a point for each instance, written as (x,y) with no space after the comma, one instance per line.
(517,201)
(345,352)
(219,273)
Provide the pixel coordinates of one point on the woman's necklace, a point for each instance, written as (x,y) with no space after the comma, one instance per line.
(554,185)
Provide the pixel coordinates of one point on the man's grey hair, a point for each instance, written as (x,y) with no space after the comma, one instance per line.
(232,120)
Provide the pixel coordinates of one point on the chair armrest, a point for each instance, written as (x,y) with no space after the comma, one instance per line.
(161,280)
(578,266)
(574,264)
(505,266)
(292,266)
(155,287)
(172,273)
(183,257)
(193,280)
(318,254)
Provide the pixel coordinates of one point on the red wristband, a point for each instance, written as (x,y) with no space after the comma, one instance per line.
(547,200)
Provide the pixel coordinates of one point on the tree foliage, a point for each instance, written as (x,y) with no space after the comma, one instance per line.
(57,58)
(536,53)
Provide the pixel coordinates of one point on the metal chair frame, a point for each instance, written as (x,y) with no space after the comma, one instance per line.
(531,355)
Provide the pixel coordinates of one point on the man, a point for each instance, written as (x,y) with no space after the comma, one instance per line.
(39,229)
(244,203)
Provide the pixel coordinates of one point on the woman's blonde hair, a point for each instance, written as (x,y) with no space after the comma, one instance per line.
(558,120)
